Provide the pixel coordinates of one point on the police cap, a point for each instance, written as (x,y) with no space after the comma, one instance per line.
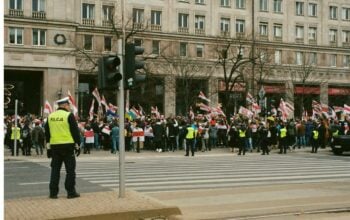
(63,101)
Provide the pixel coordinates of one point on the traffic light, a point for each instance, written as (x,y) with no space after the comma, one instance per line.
(132,64)
(108,72)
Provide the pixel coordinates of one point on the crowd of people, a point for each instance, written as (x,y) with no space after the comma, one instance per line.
(182,133)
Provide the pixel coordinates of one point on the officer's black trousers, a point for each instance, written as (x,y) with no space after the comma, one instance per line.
(60,156)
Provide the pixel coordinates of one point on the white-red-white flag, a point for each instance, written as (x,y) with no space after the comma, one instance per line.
(104,103)
(73,104)
(47,107)
(250,98)
(91,111)
(96,94)
(246,112)
(346,109)
(202,96)
(256,108)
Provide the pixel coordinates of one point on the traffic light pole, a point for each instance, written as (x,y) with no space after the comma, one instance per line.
(120,101)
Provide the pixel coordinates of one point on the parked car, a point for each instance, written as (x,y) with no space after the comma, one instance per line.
(340,144)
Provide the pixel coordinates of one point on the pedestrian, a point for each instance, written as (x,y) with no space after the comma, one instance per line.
(264,140)
(26,138)
(38,137)
(89,139)
(63,144)
(115,138)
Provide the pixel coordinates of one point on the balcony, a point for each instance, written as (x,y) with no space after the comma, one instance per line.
(277,38)
(299,40)
(137,26)
(39,15)
(156,27)
(263,37)
(333,43)
(106,23)
(16,13)
(312,41)
(240,35)
(88,22)
(346,44)
(199,31)
(225,34)
(183,30)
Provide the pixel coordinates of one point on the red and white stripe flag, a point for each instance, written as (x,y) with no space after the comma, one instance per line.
(246,112)
(316,107)
(91,111)
(202,96)
(256,108)
(338,108)
(204,107)
(47,107)
(104,103)
(72,102)
(96,94)
(346,109)
(250,98)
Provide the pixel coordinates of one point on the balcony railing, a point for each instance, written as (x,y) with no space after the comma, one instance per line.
(106,23)
(156,27)
(240,34)
(88,22)
(276,38)
(39,14)
(299,40)
(346,44)
(312,41)
(16,13)
(138,26)
(225,33)
(199,31)
(183,30)
(263,37)
(333,43)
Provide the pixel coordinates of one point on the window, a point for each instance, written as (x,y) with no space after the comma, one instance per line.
(200,50)
(312,9)
(183,20)
(88,42)
(333,12)
(278,57)
(88,11)
(108,43)
(38,5)
(138,15)
(108,12)
(346,13)
(240,4)
(201,2)
(277,6)
(333,35)
(16,4)
(346,36)
(199,22)
(16,35)
(225,24)
(156,17)
(346,61)
(299,8)
(299,32)
(240,26)
(299,56)
(138,42)
(183,49)
(225,3)
(39,37)
(312,58)
(240,52)
(263,5)
(312,33)
(277,30)
(263,27)
(333,60)
(155,47)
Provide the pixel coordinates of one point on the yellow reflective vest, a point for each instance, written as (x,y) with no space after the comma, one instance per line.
(283,132)
(335,133)
(17,133)
(315,134)
(190,133)
(59,128)
(241,133)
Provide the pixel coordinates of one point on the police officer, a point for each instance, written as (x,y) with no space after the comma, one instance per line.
(242,139)
(190,137)
(314,140)
(283,139)
(63,141)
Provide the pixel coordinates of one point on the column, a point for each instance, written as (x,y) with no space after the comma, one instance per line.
(169,96)
(213,93)
(324,93)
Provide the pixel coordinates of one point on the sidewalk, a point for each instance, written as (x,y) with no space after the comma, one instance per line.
(101,205)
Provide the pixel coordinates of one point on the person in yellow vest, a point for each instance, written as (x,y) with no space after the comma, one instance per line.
(15,134)
(314,140)
(242,137)
(283,139)
(190,137)
(63,144)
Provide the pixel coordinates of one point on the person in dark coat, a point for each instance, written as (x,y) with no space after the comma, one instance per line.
(159,134)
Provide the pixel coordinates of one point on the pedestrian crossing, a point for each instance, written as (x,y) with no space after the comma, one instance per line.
(183,173)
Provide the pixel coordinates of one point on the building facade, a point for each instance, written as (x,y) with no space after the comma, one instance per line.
(299,49)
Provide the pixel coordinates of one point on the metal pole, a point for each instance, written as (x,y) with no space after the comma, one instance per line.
(15,135)
(121,111)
